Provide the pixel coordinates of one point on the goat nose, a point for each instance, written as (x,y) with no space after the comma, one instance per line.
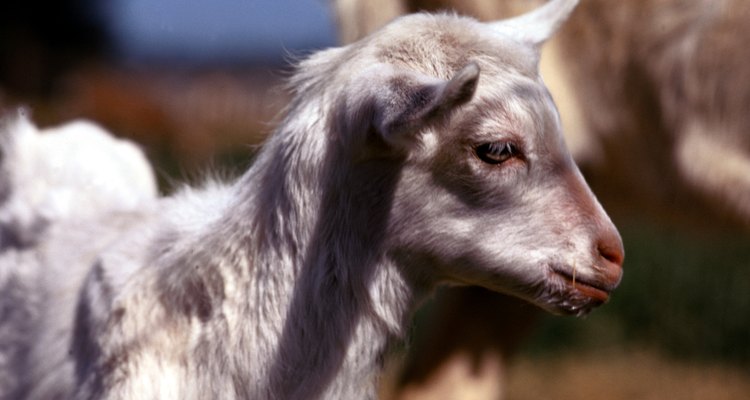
(611,249)
(611,254)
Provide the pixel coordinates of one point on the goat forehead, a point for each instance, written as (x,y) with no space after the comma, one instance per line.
(510,106)
(439,45)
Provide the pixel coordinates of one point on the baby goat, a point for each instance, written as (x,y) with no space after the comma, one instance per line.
(399,167)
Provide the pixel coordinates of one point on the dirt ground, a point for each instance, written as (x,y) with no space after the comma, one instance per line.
(620,375)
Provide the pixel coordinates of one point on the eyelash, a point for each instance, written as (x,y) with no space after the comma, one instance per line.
(497,152)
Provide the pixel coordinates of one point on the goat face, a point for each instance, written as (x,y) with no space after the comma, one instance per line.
(493,198)
(487,193)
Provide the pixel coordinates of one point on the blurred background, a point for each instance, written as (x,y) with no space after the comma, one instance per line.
(190,82)
(199,84)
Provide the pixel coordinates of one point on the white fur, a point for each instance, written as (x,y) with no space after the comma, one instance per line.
(76,170)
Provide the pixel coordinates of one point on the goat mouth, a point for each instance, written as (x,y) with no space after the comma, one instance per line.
(585,286)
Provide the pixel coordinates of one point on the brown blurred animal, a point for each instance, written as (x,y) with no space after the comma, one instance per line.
(667,86)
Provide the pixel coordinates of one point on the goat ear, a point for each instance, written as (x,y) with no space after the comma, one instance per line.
(536,26)
(412,103)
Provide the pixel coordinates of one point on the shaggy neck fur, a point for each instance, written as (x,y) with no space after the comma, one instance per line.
(321,262)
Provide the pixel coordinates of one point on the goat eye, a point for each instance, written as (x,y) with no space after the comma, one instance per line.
(496,152)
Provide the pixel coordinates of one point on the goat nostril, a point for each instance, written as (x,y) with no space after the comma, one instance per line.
(612,251)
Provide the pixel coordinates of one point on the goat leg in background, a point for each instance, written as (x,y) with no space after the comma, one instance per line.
(708,105)
(719,170)
(457,353)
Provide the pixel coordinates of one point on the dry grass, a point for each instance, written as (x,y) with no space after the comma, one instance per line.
(640,375)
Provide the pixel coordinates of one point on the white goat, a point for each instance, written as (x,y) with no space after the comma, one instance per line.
(398,167)
(75,172)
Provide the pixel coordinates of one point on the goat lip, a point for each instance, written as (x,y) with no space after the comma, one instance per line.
(584,286)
